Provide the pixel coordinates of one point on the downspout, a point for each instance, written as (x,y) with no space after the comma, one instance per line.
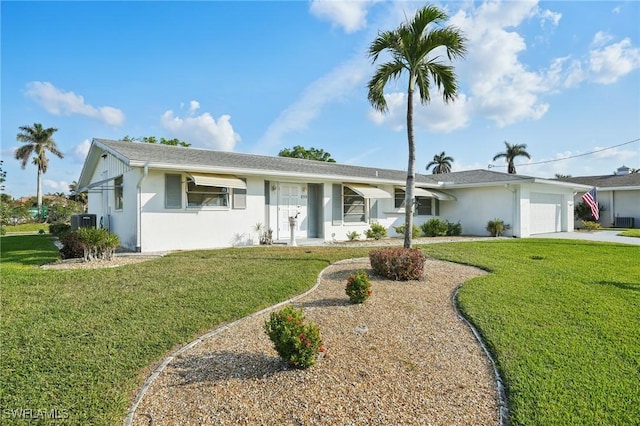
(145,172)
(514,210)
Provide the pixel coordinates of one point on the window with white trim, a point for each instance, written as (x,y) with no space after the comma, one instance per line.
(172,191)
(354,206)
(423,205)
(206,196)
(118,192)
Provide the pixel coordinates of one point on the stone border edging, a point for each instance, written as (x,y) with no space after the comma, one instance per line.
(503,406)
(217,330)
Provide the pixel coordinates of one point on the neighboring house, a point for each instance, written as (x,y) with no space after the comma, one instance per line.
(618,193)
(158,197)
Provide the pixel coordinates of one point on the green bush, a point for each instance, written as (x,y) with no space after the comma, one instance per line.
(397,263)
(298,343)
(58,229)
(590,225)
(98,244)
(454,229)
(376,231)
(353,235)
(72,246)
(358,287)
(415,230)
(435,228)
(495,227)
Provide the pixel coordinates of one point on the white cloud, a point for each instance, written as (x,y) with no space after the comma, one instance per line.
(351,15)
(436,116)
(81,150)
(330,88)
(59,102)
(600,39)
(611,62)
(616,10)
(57,186)
(202,130)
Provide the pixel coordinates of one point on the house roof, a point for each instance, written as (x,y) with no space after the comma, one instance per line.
(138,154)
(628,181)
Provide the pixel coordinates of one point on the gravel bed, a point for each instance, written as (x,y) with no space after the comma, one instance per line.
(402,357)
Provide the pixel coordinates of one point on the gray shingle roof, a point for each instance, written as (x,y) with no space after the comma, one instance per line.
(606,181)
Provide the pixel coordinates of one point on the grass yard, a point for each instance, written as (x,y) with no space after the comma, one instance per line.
(26,228)
(562,318)
(563,321)
(631,233)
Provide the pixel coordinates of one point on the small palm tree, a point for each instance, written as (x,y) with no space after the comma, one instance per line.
(511,152)
(442,163)
(412,46)
(37,140)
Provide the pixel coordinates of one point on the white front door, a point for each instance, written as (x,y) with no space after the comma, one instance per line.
(289,204)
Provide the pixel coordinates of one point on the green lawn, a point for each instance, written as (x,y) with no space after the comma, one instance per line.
(630,233)
(563,321)
(27,228)
(562,318)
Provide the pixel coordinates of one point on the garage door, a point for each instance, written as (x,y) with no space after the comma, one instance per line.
(546,213)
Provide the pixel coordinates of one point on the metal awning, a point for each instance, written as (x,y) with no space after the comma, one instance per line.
(94,184)
(225,181)
(421,192)
(368,191)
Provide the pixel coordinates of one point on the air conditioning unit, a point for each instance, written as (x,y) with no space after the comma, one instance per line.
(83,221)
(623,222)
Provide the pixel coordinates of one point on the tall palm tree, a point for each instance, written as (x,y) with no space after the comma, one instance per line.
(511,152)
(412,47)
(442,163)
(37,140)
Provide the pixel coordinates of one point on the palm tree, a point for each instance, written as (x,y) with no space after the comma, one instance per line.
(412,47)
(38,141)
(511,152)
(76,196)
(442,163)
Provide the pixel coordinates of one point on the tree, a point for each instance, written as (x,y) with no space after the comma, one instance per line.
(3,176)
(561,176)
(308,154)
(414,48)
(161,141)
(442,163)
(511,152)
(81,197)
(38,141)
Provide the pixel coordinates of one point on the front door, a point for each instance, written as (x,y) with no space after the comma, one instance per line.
(289,204)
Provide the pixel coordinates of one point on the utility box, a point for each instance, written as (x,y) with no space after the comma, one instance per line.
(83,221)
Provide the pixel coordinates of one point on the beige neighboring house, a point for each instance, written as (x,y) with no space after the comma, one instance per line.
(158,197)
(618,193)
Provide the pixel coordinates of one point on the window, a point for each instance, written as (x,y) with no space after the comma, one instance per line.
(353,206)
(206,196)
(398,195)
(173,191)
(239,198)
(117,192)
(422,204)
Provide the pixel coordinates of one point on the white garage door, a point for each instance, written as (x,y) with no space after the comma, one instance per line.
(545,213)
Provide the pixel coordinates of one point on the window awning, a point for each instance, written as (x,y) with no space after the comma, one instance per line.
(368,191)
(421,192)
(225,181)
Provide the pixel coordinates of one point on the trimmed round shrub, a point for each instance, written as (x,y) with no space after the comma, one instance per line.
(398,263)
(376,231)
(297,342)
(58,229)
(435,228)
(358,287)
(415,230)
(454,229)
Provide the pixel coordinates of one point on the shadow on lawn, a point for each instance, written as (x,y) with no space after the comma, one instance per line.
(622,286)
(27,250)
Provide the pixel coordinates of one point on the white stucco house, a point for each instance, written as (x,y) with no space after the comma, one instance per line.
(158,197)
(618,193)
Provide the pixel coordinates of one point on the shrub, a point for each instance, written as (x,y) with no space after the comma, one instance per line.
(398,263)
(590,225)
(98,243)
(72,246)
(415,230)
(495,227)
(454,229)
(58,229)
(376,231)
(298,343)
(582,211)
(358,287)
(353,235)
(435,228)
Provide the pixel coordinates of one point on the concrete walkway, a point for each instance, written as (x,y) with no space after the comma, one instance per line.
(604,236)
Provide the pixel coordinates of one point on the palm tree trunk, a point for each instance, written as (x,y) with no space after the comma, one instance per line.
(39,193)
(410,188)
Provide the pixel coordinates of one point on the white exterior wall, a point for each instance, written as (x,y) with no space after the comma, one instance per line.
(197,228)
(627,204)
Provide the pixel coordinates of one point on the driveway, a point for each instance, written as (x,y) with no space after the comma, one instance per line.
(604,236)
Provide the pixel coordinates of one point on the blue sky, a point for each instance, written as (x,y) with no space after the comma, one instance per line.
(561,77)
